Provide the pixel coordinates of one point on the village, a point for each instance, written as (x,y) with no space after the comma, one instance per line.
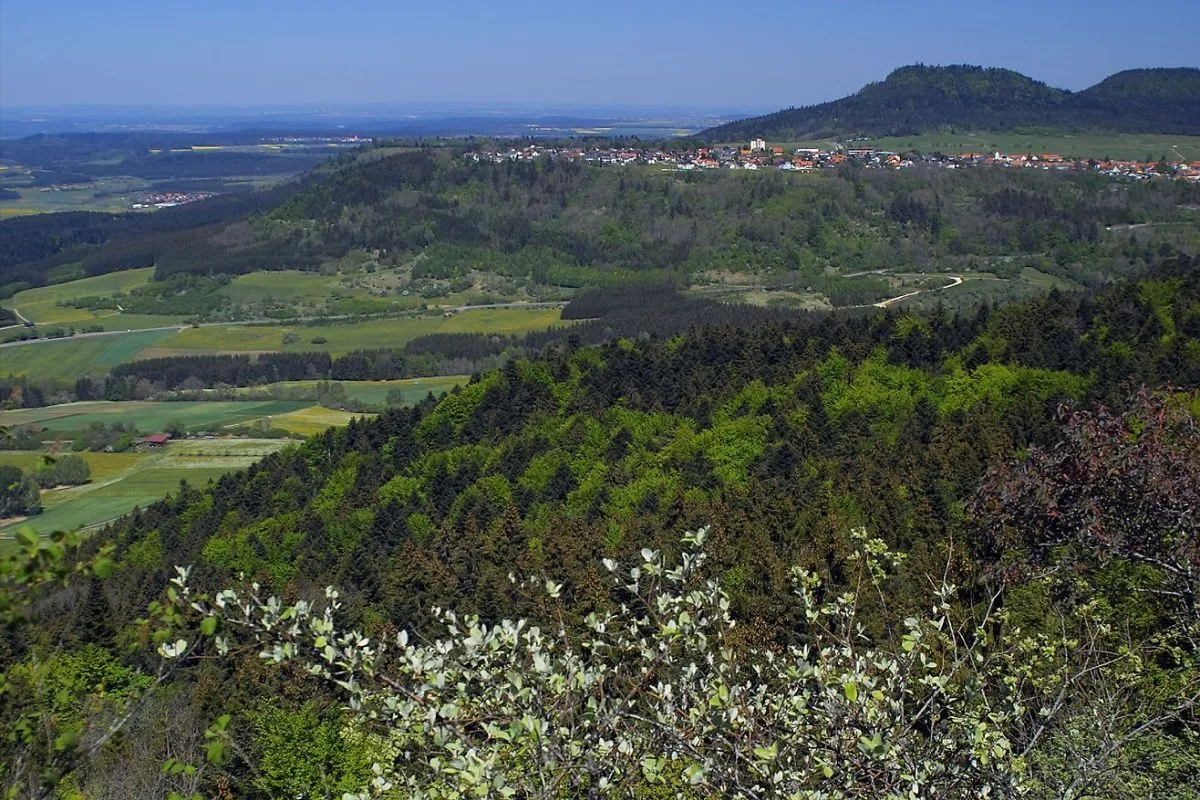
(169,199)
(759,155)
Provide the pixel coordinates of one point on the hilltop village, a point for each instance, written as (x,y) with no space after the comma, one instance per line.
(759,155)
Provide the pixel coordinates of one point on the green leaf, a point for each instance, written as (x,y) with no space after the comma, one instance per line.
(767,753)
(215,752)
(851,690)
(26,537)
(103,568)
(208,626)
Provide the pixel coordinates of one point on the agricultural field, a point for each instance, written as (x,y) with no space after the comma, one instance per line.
(150,416)
(122,481)
(344,338)
(311,420)
(1124,146)
(281,285)
(71,358)
(42,304)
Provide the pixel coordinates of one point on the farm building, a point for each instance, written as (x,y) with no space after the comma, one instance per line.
(155,440)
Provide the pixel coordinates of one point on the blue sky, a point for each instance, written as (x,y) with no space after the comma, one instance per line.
(750,55)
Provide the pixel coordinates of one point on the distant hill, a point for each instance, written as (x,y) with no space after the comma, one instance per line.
(919,98)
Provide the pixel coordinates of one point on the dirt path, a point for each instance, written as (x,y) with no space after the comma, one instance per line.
(956,281)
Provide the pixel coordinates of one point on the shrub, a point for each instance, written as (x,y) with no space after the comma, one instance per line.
(656,693)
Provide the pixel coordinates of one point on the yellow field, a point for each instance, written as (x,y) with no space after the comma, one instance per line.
(308,421)
(104,466)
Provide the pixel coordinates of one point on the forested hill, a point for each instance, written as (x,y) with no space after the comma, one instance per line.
(572,224)
(919,98)
(1166,100)
(782,436)
(788,438)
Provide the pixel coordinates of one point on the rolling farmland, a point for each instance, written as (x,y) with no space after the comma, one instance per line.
(344,338)
(68,359)
(122,481)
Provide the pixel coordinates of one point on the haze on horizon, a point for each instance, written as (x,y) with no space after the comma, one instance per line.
(702,54)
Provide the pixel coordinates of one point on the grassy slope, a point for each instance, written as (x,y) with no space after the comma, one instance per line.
(41,304)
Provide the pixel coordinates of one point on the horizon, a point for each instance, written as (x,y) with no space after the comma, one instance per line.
(483,106)
(469,54)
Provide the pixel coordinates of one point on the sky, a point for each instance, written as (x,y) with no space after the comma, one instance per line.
(754,55)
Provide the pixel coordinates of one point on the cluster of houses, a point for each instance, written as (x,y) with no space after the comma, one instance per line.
(759,155)
(1136,170)
(168,199)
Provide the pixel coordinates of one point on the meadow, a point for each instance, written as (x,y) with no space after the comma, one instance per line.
(122,481)
(281,285)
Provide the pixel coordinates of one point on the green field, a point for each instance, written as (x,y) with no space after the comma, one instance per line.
(123,481)
(1124,146)
(342,339)
(150,416)
(281,285)
(68,359)
(313,419)
(41,304)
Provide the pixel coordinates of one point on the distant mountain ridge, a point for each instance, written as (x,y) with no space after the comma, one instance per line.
(918,98)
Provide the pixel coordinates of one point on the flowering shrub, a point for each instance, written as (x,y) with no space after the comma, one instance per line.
(651,692)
